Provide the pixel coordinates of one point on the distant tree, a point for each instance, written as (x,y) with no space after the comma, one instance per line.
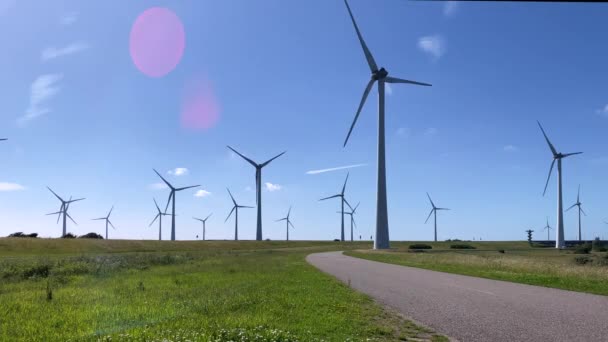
(91,236)
(69,236)
(22,235)
(529,231)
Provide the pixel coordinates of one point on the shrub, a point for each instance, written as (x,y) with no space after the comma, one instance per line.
(69,236)
(582,260)
(582,249)
(23,235)
(420,246)
(38,271)
(461,246)
(501,251)
(91,236)
(336,240)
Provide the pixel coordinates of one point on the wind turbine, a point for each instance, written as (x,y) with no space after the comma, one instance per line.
(352,218)
(342,201)
(548,229)
(380,75)
(235,209)
(258,188)
(107,219)
(64,209)
(172,196)
(204,223)
(559,240)
(158,216)
(580,210)
(433,211)
(287,222)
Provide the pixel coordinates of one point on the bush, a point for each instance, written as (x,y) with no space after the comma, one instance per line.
(38,271)
(22,235)
(582,249)
(91,236)
(582,260)
(462,246)
(420,246)
(69,236)
(336,240)
(501,251)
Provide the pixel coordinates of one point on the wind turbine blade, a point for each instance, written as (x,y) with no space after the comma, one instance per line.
(76,200)
(230,214)
(399,80)
(346,180)
(570,154)
(443,209)
(289,212)
(270,160)
(97,219)
(572,206)
(164,180)
(549,176)
(70,217)
(208,216)
(245,206)
(155,217)
(357,206)
(233,200)
(110,222)
(578,194)
(368,55)
(172,193)
(363,99)
(196,218)
(279,220)
(348,204)
(59,212)
(59,198)
(334,196)
(553,150)
(157,207)
(430,200)
(354,222)
(242,156)
(187,187)
(431,213)
(291,224)
(582,211)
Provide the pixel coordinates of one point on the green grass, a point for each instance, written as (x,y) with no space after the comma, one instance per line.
(180,291)
(520,263)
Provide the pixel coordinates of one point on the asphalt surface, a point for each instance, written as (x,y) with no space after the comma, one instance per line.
(474,309)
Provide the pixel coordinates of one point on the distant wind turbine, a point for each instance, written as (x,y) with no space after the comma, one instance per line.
(548,229)
(381,75)
(204,223)
(433,211)
(287,222)
(107,219)
(258,188)
(63,210)
(158,216)
(342,201)
(352,219)
(172,196)
(559,240)
(580,210)
(235,209)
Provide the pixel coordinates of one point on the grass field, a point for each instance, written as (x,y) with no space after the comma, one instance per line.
(91,290)
(519,263)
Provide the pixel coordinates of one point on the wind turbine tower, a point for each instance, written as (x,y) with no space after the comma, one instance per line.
(172,200)
(235,209)
(287,222)
(158,216)
(548,229)
(63,210)
(204,221)
(107,219)
(433,211)
(342,201)
(580,210)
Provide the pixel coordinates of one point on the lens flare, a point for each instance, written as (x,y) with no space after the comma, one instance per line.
(157,41)
(200,110)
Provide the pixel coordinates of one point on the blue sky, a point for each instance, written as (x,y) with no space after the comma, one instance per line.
(288,75)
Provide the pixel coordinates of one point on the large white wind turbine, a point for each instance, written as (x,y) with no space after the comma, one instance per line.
(287,222)
(342,201)
(63,210)
(172,196)
(580,210)
(204,221)
(433,211)
(107,219)
(557,156)
(258,188)
(235,209)
(381,76)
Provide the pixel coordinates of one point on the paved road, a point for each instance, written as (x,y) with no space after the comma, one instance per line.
(474,309)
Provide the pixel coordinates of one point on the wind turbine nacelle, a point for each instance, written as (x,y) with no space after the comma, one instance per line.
(380,74)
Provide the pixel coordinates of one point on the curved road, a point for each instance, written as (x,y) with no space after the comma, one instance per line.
(474,309)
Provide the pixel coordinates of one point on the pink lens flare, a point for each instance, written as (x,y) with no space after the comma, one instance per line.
(200,110)
(157,41)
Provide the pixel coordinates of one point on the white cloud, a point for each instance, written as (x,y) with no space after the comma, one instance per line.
(43,89)
(603,111)
(69,18)
(449,8)
(202,193)
(11,187)
(179,171)
(158,186)
(273,187)
(53,52)
(315,172)
(510,148)
(433,45)
(430,131)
